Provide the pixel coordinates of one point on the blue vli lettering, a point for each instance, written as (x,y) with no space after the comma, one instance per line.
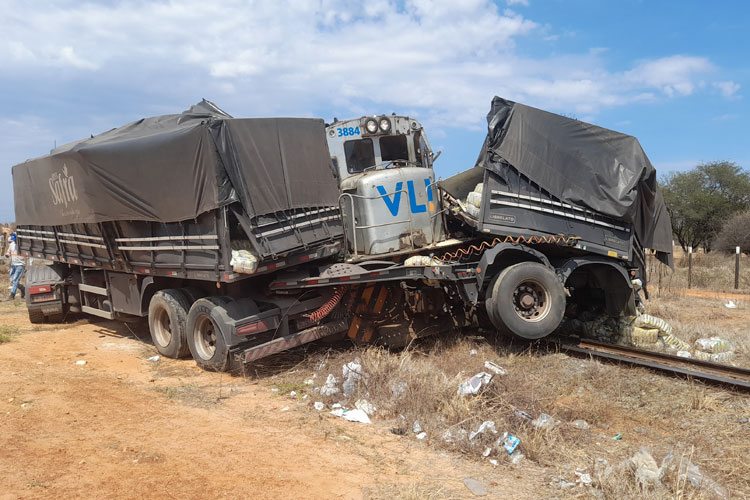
(415,209)
(393,204)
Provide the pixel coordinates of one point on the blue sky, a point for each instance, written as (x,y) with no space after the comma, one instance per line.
(673,74)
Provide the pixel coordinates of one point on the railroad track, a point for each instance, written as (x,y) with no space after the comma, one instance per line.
(695,368)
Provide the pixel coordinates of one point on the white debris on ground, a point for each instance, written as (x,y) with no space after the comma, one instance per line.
(475,384)
(81,362)
(365,406)
(486,426)
(355,415)
(319,405)
(494,367)
(330,387)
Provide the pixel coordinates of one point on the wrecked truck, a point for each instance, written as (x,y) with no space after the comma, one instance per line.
(240,238)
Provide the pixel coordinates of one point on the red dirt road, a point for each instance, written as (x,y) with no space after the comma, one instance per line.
(121,426)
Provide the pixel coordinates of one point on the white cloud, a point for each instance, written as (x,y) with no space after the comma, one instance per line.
(525,3)
(727,89)
(441,60)
(673,75)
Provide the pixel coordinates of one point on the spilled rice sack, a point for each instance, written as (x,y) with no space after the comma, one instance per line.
(717,357)
(421,260)
(648,321)
(672,342)
(244,261)
(714,345)
(639,336)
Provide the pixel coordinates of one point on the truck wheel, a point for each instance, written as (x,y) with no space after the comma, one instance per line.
(204,337)
(527,300)
(167,317)
(36,316)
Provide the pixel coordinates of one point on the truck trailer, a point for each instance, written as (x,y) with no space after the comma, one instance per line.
(240,238)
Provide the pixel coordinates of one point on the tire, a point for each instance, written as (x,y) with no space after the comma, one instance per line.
(527,300)
(36,316)
(167,319)
(204,338)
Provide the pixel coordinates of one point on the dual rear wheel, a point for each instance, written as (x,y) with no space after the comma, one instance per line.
(182,325)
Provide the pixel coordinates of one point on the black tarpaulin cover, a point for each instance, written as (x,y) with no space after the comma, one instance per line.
(582,164)
(175,167)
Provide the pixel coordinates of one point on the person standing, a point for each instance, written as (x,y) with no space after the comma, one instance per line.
(17,266)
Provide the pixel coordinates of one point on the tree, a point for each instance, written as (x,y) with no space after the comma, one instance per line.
(735,233)
(701,200)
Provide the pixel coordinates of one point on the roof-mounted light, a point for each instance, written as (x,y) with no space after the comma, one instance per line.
(385,125)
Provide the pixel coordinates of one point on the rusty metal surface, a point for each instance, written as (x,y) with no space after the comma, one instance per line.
(696,368)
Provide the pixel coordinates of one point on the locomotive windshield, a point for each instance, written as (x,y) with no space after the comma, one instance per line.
(359,155)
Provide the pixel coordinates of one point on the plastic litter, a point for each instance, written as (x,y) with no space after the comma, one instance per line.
(522,414)
(487,425)
(319,405)
(509,442)
(476,488)
(486,452)
(475,384)
(494,462)
(617,437)
(473,352)
(356,415)
(330,387)
(286,408)
(580,424)
(516,457)
(584,479)
(398,388)
(544,422)
(451,437)
(309,382)
(292,393)
(497,369)
(154,358)
(421,435)
(647,472)
(81,362)
(416,428)
(336,405)
(693,474)
(730,305)
(352,373)
(365,406)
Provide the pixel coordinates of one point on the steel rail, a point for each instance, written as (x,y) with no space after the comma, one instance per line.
(689,367)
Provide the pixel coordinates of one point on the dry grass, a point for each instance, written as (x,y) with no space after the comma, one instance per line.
(411,491)
(696,317)
(647,409)
(711,271)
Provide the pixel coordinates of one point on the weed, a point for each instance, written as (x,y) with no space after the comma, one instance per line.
(7,332)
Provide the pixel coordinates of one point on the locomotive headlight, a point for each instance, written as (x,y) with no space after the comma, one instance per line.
(371,125)
(385,125)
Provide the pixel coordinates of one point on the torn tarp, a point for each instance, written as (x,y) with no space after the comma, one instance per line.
(175,167)
(581,164)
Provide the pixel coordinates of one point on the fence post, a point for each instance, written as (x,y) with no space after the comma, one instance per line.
(690,266)
(736,268)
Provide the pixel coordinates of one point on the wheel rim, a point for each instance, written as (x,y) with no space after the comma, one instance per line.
(205,338)
(531,301)
(162,333)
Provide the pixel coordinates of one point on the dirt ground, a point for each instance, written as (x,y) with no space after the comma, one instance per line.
(122,426)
